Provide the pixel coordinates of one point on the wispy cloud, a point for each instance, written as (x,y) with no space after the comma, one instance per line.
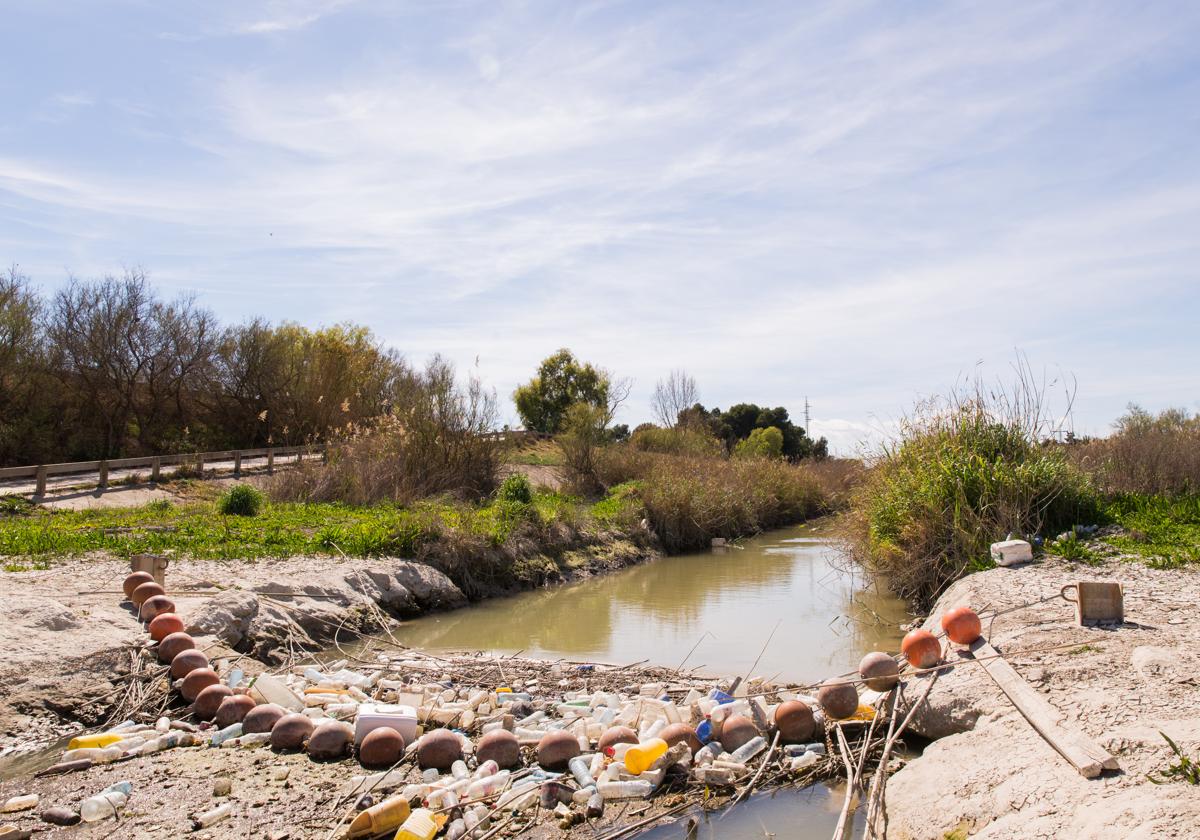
(853,204)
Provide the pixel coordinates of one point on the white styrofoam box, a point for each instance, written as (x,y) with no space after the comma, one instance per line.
(375,715)
(1011,552)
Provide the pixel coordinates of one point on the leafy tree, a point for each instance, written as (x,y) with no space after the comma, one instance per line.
(761,443)
(561,382)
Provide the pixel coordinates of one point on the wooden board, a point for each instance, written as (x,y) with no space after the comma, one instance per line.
(1086,756)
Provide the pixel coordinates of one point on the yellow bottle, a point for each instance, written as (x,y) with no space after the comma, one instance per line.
(377,819)
(641,757)
(102,739)
(422,824)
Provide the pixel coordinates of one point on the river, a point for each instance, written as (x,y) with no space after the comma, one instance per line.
(716,610)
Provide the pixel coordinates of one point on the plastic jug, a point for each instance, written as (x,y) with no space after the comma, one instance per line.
(420,825)
(388,814)
(268,689)
(641,757)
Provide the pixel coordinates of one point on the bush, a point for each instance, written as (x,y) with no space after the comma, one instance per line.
(688,500)
(516,488)
(959,479)
(1150,454)
(436,443)
(677,441)
(761,443)
(242,500)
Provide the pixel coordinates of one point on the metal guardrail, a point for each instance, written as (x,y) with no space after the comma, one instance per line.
(196,460)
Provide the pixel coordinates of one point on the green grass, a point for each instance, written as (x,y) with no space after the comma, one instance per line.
(1163,531)
(1072,548)
(280,530)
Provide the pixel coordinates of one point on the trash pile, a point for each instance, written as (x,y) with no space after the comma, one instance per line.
(465,746)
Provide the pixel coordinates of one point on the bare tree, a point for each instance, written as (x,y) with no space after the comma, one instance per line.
(674,395)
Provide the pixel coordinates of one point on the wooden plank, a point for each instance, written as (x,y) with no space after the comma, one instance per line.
(1085,755)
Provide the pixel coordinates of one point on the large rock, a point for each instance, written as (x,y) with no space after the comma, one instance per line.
(226,615)
(431,588)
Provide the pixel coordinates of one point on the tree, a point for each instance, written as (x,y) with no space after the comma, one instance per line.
(561,382)
(761,443)
(583,432)
(673,397)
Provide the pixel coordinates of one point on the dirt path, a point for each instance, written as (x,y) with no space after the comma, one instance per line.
(997,778)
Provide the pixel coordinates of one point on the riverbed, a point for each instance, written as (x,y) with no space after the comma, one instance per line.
(715,610)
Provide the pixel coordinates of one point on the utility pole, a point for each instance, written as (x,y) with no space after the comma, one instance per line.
(806,418)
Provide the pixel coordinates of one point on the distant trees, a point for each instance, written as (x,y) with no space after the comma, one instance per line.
(107,368)
(741,420)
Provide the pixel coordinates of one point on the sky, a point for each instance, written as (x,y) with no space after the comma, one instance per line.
(857,203)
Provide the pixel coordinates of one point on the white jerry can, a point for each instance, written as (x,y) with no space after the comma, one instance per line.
(1011,552)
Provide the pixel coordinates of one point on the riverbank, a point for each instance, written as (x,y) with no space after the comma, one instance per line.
(990,775)
(67,636)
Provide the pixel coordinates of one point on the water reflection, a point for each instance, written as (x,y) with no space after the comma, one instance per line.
(658,612)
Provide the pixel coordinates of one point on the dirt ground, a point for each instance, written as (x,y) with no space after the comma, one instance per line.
(997,778)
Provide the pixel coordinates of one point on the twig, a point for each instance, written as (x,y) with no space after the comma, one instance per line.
(746,790)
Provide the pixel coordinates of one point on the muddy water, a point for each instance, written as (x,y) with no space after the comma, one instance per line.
(714,609)
(730,601)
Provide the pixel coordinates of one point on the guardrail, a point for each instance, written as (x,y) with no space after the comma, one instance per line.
(194,460)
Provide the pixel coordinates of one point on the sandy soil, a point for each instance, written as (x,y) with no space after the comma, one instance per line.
(997,778)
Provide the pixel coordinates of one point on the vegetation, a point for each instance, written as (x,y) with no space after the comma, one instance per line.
(1164,531)
(678,441)
(107,369)
(960,477)
(1185,768)
(516,488)
(242,500)
(740,421)
(562,381)
(762,443)
(1147,453)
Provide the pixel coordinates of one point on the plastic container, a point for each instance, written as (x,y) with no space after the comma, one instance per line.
(420,825)
(268,689)
(1011,552)
(19,803)
(641,757)
(635,789)
(388,814)
(107,803)
(101,739)
(214,816)
(705,731)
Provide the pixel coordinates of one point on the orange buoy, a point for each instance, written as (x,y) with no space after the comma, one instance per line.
(143,591)
(187,661)
(155,606)
(922,649)
(196,681)
(961,625)
(134,581)
(164,624)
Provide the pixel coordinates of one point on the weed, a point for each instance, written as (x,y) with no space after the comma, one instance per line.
(1185,769)
(241,500)
(1163,531)
(160,506)
(1082,649)
(515,488)
(1070,547)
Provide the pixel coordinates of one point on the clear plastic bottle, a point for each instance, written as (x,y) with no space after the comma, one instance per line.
(19,803)
(750,749)
(106,803)
(214,816)
(580,767)
(636,789)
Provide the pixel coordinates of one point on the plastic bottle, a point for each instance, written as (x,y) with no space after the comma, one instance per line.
(375,781)
(106,803)
(750,749)
(487,785)
(420,825)
(808,759)
(580,767)
(229,732)
(97,755)
(20,803)
(459,770)
(101,739)
(388,814)
(720,696)
(488,768)
(641,757)
(715,775)
(705,731)
(595,805)
(214,816)
(636,789)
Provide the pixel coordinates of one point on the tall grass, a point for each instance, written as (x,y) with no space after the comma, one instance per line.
(962,474)
(689,500)
(1155,454)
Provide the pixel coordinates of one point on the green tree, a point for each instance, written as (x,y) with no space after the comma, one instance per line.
(561,382)
(761,443)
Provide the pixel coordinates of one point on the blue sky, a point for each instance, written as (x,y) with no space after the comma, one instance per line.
(856,202)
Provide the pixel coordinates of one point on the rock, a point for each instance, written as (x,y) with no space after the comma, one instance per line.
(226,615)
(222,787)
(431,588)
(60,816)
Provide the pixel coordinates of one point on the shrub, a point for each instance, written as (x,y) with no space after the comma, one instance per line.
(1145,454)
(688,500)
(516,488)
(761,443)
(677,441)
(241,500)
(436,443)
(958,479)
